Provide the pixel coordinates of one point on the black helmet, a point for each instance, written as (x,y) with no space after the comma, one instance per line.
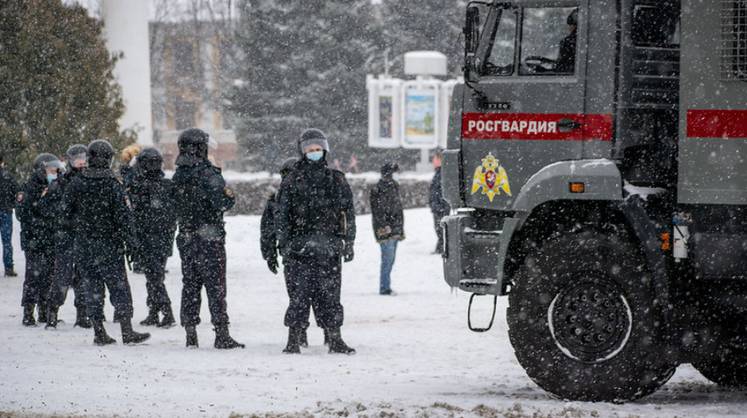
(389,168)
(193,146)
(573,18)
(75,153)
(287,166)
(46,160)
(312,137)
(100,154)
(150,160)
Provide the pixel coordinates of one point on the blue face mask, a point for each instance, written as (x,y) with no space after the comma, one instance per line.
(51,178)
(315,155)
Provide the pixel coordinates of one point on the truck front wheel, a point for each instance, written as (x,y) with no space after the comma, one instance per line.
(581,319)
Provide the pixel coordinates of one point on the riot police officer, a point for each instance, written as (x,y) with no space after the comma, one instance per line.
(152,198)
(37,218)
(201,199)
(96,203)
(65,270)
(316,229)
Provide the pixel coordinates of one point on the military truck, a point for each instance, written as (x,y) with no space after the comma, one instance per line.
(596,153)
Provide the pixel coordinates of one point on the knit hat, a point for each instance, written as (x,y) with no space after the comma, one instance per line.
(312,137)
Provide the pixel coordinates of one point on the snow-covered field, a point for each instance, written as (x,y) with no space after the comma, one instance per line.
(416,356)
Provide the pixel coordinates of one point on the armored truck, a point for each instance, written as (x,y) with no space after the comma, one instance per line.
(597,154)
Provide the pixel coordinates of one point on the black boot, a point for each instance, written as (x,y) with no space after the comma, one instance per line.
(81,319)
(129,336)
(168,320)
(326,337)
(51,318)
(223,339)
(28,316)
(10,273)
(100,335)
(191,336)
(336,344)
(42,308)
(294,341)
(303,340)
(151,319)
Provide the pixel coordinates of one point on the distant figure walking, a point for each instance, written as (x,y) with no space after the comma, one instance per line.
(439,206)
(388,222)
(8,190)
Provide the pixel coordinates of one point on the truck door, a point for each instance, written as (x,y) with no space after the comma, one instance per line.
(525,108)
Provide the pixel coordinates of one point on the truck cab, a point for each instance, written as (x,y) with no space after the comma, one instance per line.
(596,155)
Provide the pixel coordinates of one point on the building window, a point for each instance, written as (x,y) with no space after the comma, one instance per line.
(184,59)
(734,40)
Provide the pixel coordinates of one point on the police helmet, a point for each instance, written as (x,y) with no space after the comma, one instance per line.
(312,137)
(573,18)
(150,160)
(389,168)
(77,152)
(100,154)
(46,160)
(193,143)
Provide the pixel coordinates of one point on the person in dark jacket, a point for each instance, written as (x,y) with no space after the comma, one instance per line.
(37,217)
(566,63)
(65,272)
(388,222)
(8,190)
(315,229)
(201,199)
(98,206)
(439,206)
(153,207)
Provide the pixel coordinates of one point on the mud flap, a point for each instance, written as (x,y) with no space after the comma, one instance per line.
(492,316)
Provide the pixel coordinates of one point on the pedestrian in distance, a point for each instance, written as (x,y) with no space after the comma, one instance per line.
(316,231)
(37,217)
(98,206)
(388,222)
(8,190)
(153,207)
(439,206)
(65,273)
(202,197)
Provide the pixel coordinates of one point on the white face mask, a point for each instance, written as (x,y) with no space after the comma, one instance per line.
(315,155)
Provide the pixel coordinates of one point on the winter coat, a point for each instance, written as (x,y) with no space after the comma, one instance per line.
(439,205)
(8,190)
(201,198)
(154,212)
(315,213)
(63,225)
(267,230)
(36,213)
(97,204)
(386,210)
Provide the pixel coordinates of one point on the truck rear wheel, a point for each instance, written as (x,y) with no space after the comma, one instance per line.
(727,367)
(581,320)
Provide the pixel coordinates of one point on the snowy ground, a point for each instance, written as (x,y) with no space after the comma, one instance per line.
(415,354)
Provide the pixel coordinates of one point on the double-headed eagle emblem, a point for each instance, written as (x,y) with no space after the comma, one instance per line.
(491,178)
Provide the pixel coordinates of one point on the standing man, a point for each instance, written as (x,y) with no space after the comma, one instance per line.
(388,222)
(316,229)
(65,270)
(153,207)
(96,203)
(8,190)
(201,199)
(37,217)
(439,206)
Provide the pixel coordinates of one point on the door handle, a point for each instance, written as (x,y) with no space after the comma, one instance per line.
(567,125)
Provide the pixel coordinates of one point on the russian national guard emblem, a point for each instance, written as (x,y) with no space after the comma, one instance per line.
(491,178)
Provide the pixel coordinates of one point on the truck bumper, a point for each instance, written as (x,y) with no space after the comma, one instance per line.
(474,258)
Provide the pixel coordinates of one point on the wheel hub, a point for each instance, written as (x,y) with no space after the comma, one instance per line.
(590,321)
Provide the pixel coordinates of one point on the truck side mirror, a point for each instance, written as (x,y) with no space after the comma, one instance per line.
(471,38)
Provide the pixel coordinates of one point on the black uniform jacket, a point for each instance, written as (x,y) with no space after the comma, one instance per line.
(36,214)
(436,201)
(315,213)
(154,211)
(386,210)
(267,233)
(201,197)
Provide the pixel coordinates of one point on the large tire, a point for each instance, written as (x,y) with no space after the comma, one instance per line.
(727,367)
(581,320)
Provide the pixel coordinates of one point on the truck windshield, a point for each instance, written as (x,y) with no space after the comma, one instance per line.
(501,59)
(548,41)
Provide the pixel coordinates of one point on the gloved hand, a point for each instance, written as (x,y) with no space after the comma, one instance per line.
(272,264)
(347,252)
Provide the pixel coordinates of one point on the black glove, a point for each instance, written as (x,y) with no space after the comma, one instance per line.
(348,253)
(272,264)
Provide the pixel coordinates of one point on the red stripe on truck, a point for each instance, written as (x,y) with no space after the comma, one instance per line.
(726,124)
(536,126)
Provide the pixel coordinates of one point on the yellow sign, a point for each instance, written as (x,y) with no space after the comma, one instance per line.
(491,178)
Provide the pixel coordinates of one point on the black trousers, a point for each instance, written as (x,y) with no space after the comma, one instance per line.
(439,229)
(203,264)
(316,283)
(101,264)
(154,268)
(38,278)
(65,276)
